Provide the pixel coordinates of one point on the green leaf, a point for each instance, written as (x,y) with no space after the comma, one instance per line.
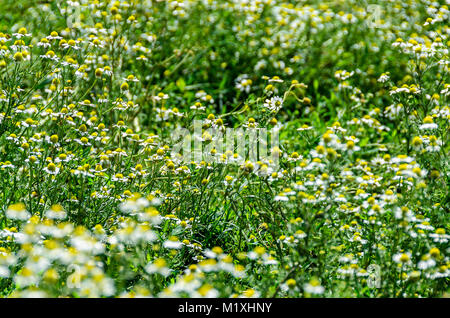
(181,84)
(364,142)
(316,85)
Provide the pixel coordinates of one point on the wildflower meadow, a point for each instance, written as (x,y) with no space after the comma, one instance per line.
(224,148)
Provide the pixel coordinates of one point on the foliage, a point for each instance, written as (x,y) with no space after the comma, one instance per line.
(94,202)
